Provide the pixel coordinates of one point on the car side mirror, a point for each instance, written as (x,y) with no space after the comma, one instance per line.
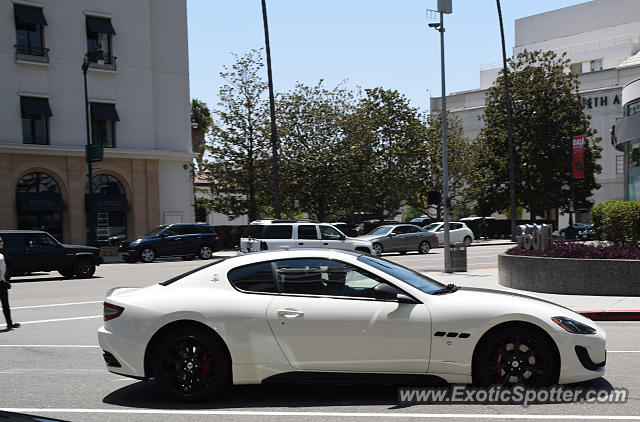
(392,234)
(388,292)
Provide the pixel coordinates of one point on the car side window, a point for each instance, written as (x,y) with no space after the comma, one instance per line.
(253,278)
(30,241)
(412,229)
(170,232)
(277,231)
(324,277)
(45,240)
(307,231)
(329,233)
(455,226)
(401,230)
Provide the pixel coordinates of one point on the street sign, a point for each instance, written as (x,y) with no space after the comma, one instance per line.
(93,153)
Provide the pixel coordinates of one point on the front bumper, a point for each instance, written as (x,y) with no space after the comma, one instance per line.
(582,357)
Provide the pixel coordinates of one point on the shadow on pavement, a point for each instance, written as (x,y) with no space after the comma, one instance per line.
(146,394)
(40,276)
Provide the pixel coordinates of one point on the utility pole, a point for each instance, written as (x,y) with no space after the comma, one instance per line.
(272,111)
(444,6)
(512,164)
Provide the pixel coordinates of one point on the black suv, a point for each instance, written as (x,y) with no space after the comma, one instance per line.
(27,251)
(186,240)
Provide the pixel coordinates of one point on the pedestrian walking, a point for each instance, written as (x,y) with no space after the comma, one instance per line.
(4,291)
(484,229)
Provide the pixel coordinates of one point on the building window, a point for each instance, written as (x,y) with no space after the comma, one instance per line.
(35,120)
(619,164)
(596,65)
(103,124)
(99,34)
(576,68)
(632,108)
(30,24)
(39,204)
(107,209)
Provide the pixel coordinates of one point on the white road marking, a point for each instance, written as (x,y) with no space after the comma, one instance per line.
(56,304)
(623,351)
(59,319)
(368,415)
(78,346)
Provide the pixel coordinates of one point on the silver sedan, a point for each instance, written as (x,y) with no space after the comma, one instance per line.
(401,238)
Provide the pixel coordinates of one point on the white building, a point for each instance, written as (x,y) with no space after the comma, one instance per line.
(139,112)
(602,40)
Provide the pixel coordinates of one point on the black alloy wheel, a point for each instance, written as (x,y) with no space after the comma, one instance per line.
(84,268)
(205,252)
(190,365)
(424,247)
(513,356)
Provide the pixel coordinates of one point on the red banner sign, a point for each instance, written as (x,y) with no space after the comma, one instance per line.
(577,161)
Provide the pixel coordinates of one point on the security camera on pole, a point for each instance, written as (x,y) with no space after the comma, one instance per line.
(444,6)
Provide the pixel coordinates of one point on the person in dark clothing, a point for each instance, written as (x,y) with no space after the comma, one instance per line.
(484,229)
(4,291)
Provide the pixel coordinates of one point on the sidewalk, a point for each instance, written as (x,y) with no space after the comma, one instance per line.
(599,308)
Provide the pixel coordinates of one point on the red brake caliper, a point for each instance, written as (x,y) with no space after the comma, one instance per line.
(205,369)
(498,360)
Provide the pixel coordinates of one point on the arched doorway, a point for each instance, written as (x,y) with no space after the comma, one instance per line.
(107,209)
(39,204)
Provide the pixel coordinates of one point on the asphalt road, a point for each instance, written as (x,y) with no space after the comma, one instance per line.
(52,365)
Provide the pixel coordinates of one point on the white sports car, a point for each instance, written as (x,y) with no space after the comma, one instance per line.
(319,312)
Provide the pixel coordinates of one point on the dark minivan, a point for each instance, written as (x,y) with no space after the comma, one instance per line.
(27,251)
(185,240)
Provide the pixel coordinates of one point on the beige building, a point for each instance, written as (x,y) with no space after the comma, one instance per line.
(138,90)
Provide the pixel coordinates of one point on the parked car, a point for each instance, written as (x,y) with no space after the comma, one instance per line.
(28,251)
(401,238)
(368,225)
(458,232)
(581,231)
(311,312)
(287,234)
(185,240)
(420,221)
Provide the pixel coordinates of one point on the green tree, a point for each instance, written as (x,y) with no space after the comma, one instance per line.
(236,158)
(382,136)
(426,172)
(547,107)
(311,130)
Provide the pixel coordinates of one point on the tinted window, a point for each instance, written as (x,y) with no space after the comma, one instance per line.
(323,277)
(417,280)
(329,233)
(253,278)
(156,231)
(253,230)
(12,240)
(400,230)
(180,229)
(206,229)
(307,231)
(411,229)
(455,226)
(432,226)
(380,230)
(277,231)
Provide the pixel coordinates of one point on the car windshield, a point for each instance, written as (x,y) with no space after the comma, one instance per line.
(156,231)
(413,278)
(432,226)
(381,230)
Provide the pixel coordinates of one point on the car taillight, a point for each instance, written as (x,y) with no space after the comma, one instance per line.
(216,238)
(435,235)
(100,253)
(111,311)
(263,246)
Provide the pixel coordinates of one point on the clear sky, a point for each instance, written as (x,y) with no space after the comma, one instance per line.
(369,43)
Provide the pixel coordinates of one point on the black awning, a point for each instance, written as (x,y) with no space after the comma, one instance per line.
(35,106)
(104,111)
(30,15)
(100,25)
(39,202)
(106,203)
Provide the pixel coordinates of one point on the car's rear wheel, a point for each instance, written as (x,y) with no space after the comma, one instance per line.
(190,365)
(424,247)
(147,255)
(377,249)
(467,241)
(515,355)
(205,252)
(84,268)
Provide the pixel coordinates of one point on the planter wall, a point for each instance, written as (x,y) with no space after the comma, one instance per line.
(597,277)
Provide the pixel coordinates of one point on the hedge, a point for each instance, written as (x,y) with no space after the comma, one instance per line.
(617,221)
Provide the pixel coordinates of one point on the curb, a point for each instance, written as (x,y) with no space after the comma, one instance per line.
(627,315)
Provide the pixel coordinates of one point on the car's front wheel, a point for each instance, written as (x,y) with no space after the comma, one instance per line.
(205,252)
(84,268)
(147,255)
(377,249)
(191,365)
(515,355)
(467,241)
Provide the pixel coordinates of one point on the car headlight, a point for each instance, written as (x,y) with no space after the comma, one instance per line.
(573,326)
(136,242)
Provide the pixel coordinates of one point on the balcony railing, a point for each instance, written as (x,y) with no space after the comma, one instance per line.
(34,55)
(109,63)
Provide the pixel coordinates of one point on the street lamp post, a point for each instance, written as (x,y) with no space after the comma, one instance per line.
(444,6)
(99,55)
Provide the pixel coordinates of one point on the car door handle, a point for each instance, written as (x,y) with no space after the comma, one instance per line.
(290,313)
(325,243)
(300,243)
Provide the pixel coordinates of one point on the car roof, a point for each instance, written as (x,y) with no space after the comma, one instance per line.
(290,221)
(22,231)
